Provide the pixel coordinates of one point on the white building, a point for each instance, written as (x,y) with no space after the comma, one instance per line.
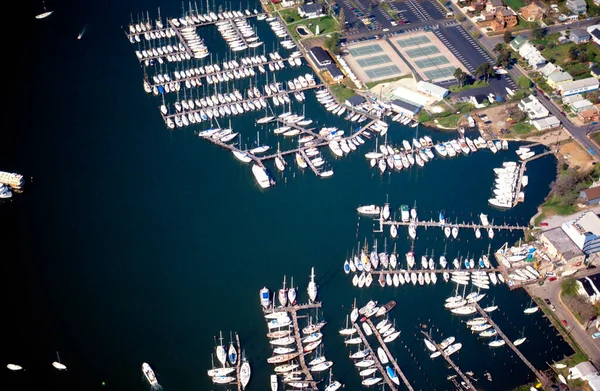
(533,107)
(579,86)
(584,231)
(432,89)
(310,10)
(586,372)
(533,56)
(587,287)
(546,123)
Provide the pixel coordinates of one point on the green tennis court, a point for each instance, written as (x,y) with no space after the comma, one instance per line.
(440,72)
(386,71)
(432,62)
(422,51)
(413,41)
(374,60)
(364,50)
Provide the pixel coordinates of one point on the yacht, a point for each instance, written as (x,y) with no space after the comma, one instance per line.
(260,173)
(16,181)
(265,297)
(274,383)
(245,374)
(149,373)
(312,286)
(282,295)
(5,191)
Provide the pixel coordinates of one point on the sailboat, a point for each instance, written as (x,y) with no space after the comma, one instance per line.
(312,286)
(220,350)
(292,293)
(58,365)
(44,14)
(244,372)
(332,386)
(82,32)
(282,295)
(347,330)
(232,352)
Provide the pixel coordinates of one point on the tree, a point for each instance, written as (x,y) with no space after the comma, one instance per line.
(507,37)
(523,82)
(569,287)
(504,59)
(499,47)
(485,70)
(331,43)
(538,32)
(342,19)
(573,52)
(460,76)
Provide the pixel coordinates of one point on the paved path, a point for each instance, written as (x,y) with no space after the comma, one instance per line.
(556,220)
(551,290)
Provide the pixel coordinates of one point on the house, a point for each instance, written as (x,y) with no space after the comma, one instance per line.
(578,86)
(407,109)
(493,6)
(560,247)
(532,12)
(432,89)
(533,107)
(547,69)
(587,372)
(311,10)
(588,287)
(584,231)
(595,71)
(581,105)
(335,72)
(546,123)
(567,100)
(588,115)
(558,77)
(577,6)
(533,56)
(505,19)
(355,101)
(591,196)
(579,36)
(594,33)
(319,57)
(517,42)
(478,5)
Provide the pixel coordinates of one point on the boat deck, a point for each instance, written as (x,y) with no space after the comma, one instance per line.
(539,374)
(452,364)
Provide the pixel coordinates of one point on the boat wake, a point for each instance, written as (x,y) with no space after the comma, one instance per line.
(156,387)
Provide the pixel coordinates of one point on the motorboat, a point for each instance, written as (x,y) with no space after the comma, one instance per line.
(274,383)
(265,297)
(285,368)
(149,373)
(385,308)
(453,348)
(369,210)
(282,358)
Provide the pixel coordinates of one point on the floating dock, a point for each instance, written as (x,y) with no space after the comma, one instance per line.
(238,364)
(382,370)
(452,364)
(437,224)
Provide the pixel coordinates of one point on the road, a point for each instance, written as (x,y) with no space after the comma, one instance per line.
(551,290)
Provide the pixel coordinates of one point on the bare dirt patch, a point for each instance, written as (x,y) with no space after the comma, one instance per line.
(574,155)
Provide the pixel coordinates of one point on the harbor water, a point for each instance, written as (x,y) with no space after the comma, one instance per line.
(131,243)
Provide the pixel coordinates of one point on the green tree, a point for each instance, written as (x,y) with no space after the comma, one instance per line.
(342,19)
(569,287)
(331,43)
(484,70)
(538,32)
(499,47)
(504,59)
(507,37)
(573,52)
(460,76)
(523,82)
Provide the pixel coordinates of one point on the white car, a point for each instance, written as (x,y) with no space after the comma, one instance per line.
(394,23)
(386,29)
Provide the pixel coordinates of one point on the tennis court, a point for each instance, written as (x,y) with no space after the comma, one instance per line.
(413,41)
(374,60)
(364,50)
(440,72)
(432,62)
(385,71)
(422,51)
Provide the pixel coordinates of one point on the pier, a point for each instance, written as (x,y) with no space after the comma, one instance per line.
(310,163)
(437,271)
(540,376)
(383,372)
(522,172)
(452,364)
(437,224)
(238,364)
(389,355)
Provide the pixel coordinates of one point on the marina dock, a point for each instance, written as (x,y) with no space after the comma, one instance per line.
(437,271)
(452,364)
(522,172)
(389,355)
(382,370)
(540,375)
(437,224)
(238,364)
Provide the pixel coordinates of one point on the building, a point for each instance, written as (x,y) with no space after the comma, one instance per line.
(533,107)
(577,6)
(584,231)
(559,247)
(311,10)
(578,86)
(320,57)
(532,12)
(547,69)
(494,6)
(558,77)
(586,372)
(517,42)
(546,123)
(405,108)
(591,196)
(432,89)
(588,115)
(581,105)
(533,56)
(504,19)
(595,71)
(355,101)
(594,33)
(579,36)
(567,100)
(588,287)
(335,72)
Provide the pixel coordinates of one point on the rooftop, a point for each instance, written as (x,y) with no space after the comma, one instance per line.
(581,83)
(590,284)
(559,76)
(321,57)
(407,106)
(580,33)
(587,222)
(563,244)
(311,8)
(334,71)
(356,100)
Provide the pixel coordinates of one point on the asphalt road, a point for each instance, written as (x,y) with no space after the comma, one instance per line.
(551,290)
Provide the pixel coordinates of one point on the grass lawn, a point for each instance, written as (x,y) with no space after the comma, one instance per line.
(290,15)
(327,24)
(342,92)
(450,121)
(522,128)
(554,206)
(477,84)
(546,39)
(596,137)
(515,5)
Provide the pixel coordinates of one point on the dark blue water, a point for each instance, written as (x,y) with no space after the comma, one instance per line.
(132,243)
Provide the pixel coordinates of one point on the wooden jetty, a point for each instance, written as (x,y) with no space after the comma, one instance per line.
(522,172)
(437,271)
(389,355)
(437,224)
(238,364)
(309,162)
(449,360)
(539,374)
(382,370)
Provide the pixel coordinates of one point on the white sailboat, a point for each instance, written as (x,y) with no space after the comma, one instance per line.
(44,14)
(58,365)
(312,286)
(220,350)
(292,293)
(245,373)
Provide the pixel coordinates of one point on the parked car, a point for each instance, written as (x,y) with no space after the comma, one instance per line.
(596,335)
(544,224)
(552,279)
(552,307)
(591,267)
(564,322)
